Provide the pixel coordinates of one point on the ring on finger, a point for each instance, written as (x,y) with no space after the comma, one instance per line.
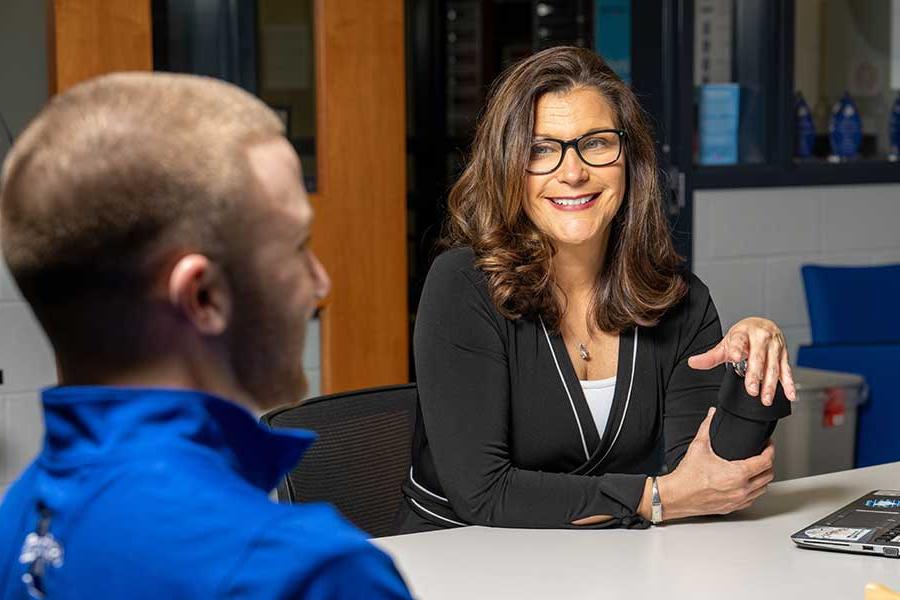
(740,367)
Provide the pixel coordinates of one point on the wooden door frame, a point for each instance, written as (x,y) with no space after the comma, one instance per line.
(360,202)
(86,38)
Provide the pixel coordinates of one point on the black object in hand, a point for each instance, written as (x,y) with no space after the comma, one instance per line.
(742,424)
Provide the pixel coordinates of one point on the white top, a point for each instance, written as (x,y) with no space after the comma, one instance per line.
(746,556)
(599,396)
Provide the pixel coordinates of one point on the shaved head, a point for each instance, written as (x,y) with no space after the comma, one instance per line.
(111,180)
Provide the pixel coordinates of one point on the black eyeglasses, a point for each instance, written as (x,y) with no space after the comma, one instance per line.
(596,148)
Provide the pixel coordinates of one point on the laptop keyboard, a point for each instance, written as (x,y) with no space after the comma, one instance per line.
(888,535)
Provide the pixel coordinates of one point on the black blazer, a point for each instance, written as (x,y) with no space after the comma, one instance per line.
(504,435)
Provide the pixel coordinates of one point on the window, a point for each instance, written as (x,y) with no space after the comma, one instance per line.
(842,57)
(767,77)
(733,82)
(264,46)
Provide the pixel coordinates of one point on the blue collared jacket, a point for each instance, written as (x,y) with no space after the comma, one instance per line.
(149,493)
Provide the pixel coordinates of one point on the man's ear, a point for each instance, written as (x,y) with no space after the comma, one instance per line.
(199,291)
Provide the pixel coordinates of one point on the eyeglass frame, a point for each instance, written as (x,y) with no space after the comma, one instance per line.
(573,143)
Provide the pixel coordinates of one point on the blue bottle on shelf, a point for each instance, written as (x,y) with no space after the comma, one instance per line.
(804,129)
(845,131)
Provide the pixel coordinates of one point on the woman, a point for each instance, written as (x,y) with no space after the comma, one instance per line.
(553,339)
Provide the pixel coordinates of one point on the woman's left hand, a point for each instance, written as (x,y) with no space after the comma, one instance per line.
(761,342)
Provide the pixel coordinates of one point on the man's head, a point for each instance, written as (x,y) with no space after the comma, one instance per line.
(157,224)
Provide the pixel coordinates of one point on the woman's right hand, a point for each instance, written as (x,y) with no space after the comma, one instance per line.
(704,484)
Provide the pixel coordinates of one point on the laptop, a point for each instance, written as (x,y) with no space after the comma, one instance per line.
(869,525)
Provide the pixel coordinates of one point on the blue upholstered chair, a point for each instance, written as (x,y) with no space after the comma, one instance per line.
(854,314)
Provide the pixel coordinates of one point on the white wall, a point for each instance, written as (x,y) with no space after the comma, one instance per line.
(749,245)
(28,365)
(25,357)
(312,358)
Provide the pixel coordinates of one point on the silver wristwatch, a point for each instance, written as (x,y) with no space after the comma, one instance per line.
(656,509)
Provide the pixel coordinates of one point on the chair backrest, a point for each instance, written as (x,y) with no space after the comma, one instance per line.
(361,457)
(853,305)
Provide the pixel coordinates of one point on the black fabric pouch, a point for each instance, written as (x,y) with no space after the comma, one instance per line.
(742,425)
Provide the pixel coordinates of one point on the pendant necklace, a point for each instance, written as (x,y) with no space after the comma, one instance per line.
(583,352)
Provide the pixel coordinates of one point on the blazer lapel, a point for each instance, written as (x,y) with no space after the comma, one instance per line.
(622,398)
(568,380)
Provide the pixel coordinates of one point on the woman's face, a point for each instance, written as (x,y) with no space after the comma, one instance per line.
(574,204)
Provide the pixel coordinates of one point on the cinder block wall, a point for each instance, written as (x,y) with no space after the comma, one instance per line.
(749,245)
(25,357)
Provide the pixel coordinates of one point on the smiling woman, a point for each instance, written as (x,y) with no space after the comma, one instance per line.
(554,97)
(553,336)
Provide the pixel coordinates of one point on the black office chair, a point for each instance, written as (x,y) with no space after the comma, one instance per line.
(361,457)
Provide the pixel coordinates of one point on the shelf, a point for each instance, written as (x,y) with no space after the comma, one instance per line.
(806,174)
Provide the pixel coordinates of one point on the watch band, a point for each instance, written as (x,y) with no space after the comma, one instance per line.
(656,508)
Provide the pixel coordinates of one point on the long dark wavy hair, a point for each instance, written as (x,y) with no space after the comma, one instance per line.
(486,207)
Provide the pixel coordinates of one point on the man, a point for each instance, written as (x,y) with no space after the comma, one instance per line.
(158,227)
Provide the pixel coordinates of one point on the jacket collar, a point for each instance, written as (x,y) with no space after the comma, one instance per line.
(95,423)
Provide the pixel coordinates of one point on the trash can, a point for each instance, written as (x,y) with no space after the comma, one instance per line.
(820,435)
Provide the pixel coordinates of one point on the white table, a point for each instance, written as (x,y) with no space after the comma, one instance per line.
(745,556)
